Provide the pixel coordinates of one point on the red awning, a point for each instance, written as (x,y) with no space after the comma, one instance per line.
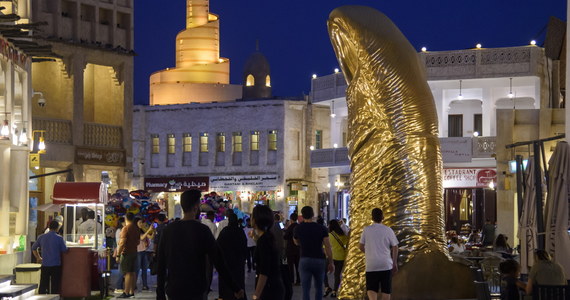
(79,192)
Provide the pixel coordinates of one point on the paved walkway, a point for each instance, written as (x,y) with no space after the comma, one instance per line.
(249,287)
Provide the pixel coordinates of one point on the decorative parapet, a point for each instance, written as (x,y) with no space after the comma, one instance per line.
(452,65)
(56,131)
(104,136)
(484,147)
(483,63)
(479,147)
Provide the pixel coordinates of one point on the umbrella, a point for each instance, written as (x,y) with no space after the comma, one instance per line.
(527,224)
(49,207)
(556,221)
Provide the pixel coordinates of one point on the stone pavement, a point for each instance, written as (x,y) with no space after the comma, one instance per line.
(249,287)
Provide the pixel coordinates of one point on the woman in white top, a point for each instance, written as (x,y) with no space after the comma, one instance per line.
(456,246)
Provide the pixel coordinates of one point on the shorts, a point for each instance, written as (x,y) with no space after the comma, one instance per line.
(379,280)
(128,263)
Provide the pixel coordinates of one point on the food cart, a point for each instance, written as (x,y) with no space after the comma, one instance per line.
(85,266)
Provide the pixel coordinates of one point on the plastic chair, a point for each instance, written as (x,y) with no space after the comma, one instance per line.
(551,292)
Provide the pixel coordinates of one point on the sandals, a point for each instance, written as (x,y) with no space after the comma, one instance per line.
(327,292)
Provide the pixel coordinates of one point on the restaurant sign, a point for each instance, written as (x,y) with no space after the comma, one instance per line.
(244,183)
(175,184)
(469,178)
(90,156)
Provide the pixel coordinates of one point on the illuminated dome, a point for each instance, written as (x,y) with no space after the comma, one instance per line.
(256,77)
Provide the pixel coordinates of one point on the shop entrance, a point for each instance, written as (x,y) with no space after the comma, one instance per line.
(468,208)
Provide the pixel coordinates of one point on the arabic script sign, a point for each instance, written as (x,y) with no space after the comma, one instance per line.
(244,183)
(456,149)
(105,157)
(469,178)
(175,184)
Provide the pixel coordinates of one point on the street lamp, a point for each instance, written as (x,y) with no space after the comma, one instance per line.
(41,141)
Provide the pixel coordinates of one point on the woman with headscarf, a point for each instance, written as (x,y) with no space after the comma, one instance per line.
(545,271)
(268,283)
(233,243)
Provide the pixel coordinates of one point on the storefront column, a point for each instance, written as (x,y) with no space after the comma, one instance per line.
(488,111)
(78,67)
(4,188)
(19,186)
(333,203)
(507,208)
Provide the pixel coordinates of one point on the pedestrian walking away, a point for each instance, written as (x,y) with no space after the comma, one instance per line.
(312,238)
(52,246)
(233,244)
(250,245)
(269,285)
(292,250)
(339,244)
(380,247)
(184,248)
(127,250)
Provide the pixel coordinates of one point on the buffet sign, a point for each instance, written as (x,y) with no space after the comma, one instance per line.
(244,183)
(469,178)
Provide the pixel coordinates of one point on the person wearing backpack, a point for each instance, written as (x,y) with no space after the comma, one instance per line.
(339,243)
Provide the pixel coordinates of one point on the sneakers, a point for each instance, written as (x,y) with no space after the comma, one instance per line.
(118,291)
(145,288)
(333,295)
(327,292)
(125,296)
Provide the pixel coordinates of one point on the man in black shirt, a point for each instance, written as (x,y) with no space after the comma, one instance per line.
(182,253)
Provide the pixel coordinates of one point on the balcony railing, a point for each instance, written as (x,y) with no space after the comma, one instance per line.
(105,136)
(56,131)
(453,149)
(333,157)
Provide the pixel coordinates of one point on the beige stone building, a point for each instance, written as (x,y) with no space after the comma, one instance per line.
(82,101)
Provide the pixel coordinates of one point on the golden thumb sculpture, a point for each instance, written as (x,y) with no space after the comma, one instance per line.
(395,156)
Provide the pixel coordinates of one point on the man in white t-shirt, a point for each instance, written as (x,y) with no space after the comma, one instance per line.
(380,246)
(90,226)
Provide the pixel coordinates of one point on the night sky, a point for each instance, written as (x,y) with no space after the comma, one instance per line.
(293,34)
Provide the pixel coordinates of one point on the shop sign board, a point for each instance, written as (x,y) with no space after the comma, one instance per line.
(456,149)
(469,177)
(176,184)
(106,157)
(269,182)
(34,160)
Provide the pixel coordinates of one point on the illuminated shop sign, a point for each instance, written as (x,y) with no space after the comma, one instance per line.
(469,178)
(244,183)
(176,184)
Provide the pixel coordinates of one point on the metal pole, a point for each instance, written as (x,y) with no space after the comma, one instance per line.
(538,188)
(520,182)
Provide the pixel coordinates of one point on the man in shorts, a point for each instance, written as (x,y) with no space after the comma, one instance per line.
(380,247)
(130,238)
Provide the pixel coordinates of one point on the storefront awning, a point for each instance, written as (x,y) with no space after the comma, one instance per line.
(79,192)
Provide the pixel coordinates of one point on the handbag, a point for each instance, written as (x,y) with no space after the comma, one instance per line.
(339,241)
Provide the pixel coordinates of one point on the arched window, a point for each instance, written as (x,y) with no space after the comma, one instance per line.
(267,81)
(250,81)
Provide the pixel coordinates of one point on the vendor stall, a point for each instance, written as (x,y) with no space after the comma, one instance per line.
(85,265)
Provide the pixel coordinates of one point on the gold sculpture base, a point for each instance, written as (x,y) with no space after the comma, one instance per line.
(432,276)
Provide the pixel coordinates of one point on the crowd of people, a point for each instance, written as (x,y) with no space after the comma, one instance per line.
(184,253)
(282,253)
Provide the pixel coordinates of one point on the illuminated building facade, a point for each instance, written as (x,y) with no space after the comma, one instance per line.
(200,74)
(83,99)
(485,99)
